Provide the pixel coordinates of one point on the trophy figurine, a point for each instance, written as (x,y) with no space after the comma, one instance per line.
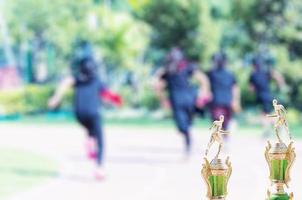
(217,172)
(280,156)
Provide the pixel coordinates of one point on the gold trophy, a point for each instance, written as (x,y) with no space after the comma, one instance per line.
(280,156)
(216,173)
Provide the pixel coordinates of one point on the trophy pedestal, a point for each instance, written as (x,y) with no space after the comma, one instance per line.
(279,197)
(216,174)
(280,158)
(279,193)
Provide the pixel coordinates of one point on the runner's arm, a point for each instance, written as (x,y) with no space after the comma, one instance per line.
(236,102)
(278,78)
(204,83)
(159,86)
(63,87)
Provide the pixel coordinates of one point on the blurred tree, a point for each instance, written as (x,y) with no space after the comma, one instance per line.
(9,58)
(40,21)
(122,39)
(179,23)
(37,25)
(49,30)
(45,31)
(137,5)
(271,22)
(276,25)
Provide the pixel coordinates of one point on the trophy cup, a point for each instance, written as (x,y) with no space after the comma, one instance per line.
(217,172)
(279,157)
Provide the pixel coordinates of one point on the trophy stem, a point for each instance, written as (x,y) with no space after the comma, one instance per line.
(280,188)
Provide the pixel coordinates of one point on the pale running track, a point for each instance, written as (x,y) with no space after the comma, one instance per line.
(140,164)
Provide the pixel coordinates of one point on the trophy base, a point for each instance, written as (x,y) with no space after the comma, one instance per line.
(280,197)
(216,174)
(218,198)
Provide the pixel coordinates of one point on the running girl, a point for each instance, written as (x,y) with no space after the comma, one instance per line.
(87,89)
(182,96)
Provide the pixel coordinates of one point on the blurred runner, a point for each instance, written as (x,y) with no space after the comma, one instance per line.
(182,96)
(260,81)
(88,91)
(225,91)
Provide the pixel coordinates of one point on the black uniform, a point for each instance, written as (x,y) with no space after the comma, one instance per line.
(87,98)
(182,96)
(222,83)
(260,79)
(86,108)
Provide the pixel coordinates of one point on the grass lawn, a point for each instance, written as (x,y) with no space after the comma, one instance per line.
(21,170)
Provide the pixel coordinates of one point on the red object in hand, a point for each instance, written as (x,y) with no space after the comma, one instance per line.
(111,97)
(202,101)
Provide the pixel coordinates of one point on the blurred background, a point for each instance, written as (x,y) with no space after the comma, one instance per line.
(41,149)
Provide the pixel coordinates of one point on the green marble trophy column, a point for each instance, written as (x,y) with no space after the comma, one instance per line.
(280,157)
(216,173)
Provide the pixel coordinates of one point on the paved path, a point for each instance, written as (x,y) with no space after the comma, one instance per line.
(141,164)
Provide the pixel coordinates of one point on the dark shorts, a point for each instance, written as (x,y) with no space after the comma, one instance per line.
(183,117)
(226,111)
(93,125)
(91,122)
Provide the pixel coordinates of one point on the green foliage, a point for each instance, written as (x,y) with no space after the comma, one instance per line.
(275,25)
(36,98)
(12,102)
(242,75)
(142,95)
(137,5)
(128,97)
(29,100)
(270,22)
(125,38)
(119,39)
(58,22)
(122,39)
(291,70)
(293,116)
(179,23)
(32,99)
(148,99)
